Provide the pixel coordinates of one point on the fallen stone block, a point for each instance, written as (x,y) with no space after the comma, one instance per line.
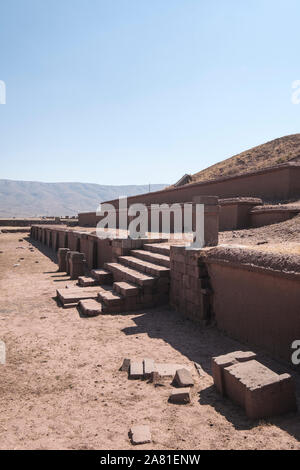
(183,378)
(140,434)
(149,367)
(136,370)
(181,396)
(167,370)
(74,295)
(125,365)
(260,391)
(154,377)
(89,307)
(220,362)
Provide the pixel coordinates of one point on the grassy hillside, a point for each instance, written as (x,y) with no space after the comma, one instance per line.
(272,153)
(26,198)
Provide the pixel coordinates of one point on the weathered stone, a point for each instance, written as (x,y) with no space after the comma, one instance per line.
(75,294)
(262,392)
(149,367)
(61,256)
(140,434)
(184,378)
(136,370)
(125,365)
(154,377)
(86,281)
(199,369)
(167,370)
(90,307)
(180,395)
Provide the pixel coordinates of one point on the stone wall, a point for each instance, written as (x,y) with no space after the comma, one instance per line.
(190,290)
(274,183)
(272,215)
(235,212)
(254,297)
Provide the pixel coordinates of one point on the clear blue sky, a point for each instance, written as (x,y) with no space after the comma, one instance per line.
(139,91)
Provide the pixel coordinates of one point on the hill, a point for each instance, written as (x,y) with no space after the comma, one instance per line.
(271,153)
(32,198)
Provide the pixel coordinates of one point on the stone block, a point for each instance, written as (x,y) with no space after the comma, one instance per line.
(260,391)
(90,307)
(181,396)
(77,264)
(125,365)
(149,367)
(136,370)
(167,370)
(86,281)
(61,256)
(140,434)
(183,378)
(220,362)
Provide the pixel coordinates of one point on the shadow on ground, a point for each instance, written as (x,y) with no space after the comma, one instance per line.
(199,344)
(42,248)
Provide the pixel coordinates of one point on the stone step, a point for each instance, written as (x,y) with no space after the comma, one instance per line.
(110,298)
(152,257)
(90,307)
(124,273)
(126,289)
(86,281)
(144,266)
(160,248)
(102,276)
(74,295)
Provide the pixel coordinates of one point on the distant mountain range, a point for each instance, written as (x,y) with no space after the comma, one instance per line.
(32,198)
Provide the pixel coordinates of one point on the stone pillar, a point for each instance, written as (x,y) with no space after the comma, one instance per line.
(77,265)
(211,218)
(61,255)
(190,291)
(68,255)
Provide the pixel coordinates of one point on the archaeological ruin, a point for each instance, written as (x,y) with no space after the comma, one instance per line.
(251,295)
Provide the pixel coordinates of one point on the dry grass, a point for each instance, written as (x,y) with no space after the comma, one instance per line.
(271,153)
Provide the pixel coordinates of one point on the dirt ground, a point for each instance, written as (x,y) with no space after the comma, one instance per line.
(283,237)
(61,388)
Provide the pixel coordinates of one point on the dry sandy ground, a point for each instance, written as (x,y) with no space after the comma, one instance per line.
(283,237)
(61,387)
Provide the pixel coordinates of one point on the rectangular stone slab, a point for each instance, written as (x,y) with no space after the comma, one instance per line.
(167,370)
(140,434)
(180,395)
(125,365)
(73,295)
(90,307)
(149,367)
(259,390)
(136,370)
(184,378)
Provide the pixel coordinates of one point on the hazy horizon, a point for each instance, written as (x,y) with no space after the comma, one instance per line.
(129,92)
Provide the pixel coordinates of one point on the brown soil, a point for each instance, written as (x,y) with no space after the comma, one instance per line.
(269,154)
(281,238)
(61,387)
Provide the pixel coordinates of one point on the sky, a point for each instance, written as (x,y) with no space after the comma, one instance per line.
(142,91)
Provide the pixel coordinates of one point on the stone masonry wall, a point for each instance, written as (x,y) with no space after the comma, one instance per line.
(190,290)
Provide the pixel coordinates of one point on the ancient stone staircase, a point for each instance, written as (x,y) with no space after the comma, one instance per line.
(139,280)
